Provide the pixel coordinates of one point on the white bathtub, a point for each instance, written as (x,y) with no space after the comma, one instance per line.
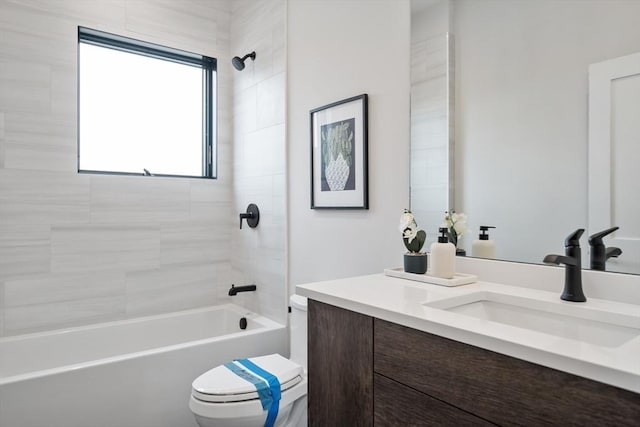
(130,373)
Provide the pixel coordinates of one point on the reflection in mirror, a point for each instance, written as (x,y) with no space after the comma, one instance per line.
(431,114)
(521,121)
(614,150)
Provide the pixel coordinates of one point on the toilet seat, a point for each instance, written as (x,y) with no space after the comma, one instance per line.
(220,385)
(220,394)
(240,397)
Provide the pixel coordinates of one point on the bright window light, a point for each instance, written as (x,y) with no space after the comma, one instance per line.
(144,109)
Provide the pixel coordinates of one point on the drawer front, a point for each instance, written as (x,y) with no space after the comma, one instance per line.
(398,405)
(496,387)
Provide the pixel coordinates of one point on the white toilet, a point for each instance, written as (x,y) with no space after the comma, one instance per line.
(219,397)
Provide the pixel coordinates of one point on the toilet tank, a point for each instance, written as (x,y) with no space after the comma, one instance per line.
(298,329)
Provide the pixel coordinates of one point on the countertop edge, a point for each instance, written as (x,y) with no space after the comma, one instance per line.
(604,374)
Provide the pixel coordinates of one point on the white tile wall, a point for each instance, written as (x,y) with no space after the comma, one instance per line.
(24,86)
(430,120)
(270,95)
(195,242)
(42,197)
(57,315)
(245,114)
(171,288)
(191,25)
(2,139)
(259,156)
(79,248)
(63,87)
(50,301)
(24,249)
(97,247)
(127,199)
(2,309)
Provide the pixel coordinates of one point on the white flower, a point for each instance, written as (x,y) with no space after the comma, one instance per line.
(456,221)
(410,233)
(460,223)
(412,237)
(407,220)
(447,218)
(460,228)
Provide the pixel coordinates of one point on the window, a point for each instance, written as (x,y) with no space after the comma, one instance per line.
(144,108)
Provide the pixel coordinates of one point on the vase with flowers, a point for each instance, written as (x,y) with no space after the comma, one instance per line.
(415,261)
(456,224)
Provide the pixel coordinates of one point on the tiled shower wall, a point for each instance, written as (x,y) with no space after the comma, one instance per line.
(259,154)
(77,248)
(432,77)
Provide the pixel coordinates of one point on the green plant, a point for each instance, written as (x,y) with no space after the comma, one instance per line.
(337,138)
(456,224)
(412,237)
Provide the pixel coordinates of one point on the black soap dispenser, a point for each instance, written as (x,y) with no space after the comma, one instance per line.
(484,247)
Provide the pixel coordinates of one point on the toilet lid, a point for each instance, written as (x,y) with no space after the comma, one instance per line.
(221,385)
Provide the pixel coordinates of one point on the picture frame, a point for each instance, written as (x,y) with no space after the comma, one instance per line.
(339,155)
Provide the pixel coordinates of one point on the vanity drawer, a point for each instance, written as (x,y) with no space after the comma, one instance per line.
(398,405)
(496,387)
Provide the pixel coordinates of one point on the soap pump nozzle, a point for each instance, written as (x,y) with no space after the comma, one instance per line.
(483,232)
(443,238)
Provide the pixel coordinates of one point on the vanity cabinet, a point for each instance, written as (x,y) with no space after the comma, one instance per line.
(340,359)
(373,372)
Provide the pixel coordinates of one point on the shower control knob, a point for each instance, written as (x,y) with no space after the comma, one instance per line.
(252,216)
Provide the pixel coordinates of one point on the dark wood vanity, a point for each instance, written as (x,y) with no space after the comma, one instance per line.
(365,371)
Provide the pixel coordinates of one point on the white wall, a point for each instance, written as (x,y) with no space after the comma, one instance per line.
(78,248)
(521,114)
(339,49)
(258,255)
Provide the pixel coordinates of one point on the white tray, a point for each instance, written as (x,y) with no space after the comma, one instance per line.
(458,278)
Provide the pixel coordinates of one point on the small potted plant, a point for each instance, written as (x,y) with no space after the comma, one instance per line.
(456,224)
(414,260)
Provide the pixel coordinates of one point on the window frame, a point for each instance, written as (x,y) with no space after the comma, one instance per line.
(139,47)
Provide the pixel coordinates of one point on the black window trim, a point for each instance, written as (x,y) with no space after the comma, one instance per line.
(207,64)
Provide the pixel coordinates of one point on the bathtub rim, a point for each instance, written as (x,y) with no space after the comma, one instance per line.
(266,325)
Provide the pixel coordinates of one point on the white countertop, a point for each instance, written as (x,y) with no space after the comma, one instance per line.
(402,301)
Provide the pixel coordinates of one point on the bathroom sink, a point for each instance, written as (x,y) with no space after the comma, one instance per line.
(603,327)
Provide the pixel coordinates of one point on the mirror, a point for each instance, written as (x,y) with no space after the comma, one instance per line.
(516,134)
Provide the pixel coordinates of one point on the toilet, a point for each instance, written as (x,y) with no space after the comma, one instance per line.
(220,397)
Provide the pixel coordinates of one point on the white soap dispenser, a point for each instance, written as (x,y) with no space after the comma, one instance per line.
(484,247)
(443,257)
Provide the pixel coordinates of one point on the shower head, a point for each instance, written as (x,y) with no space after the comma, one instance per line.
(238,62)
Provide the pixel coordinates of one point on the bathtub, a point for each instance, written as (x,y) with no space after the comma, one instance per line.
(130,373)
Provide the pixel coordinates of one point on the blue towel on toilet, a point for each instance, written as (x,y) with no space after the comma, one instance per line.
(266,384)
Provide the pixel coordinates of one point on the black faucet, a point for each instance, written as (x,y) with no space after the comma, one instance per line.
(234,290)
(599,253)
(573,268)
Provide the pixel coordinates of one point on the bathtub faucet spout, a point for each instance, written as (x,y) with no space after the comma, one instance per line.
(234,290)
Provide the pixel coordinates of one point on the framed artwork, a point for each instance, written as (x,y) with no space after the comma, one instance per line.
(339,155)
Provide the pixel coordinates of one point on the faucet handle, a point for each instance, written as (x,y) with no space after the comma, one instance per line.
(596,239)
(252,216)
(573,239)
